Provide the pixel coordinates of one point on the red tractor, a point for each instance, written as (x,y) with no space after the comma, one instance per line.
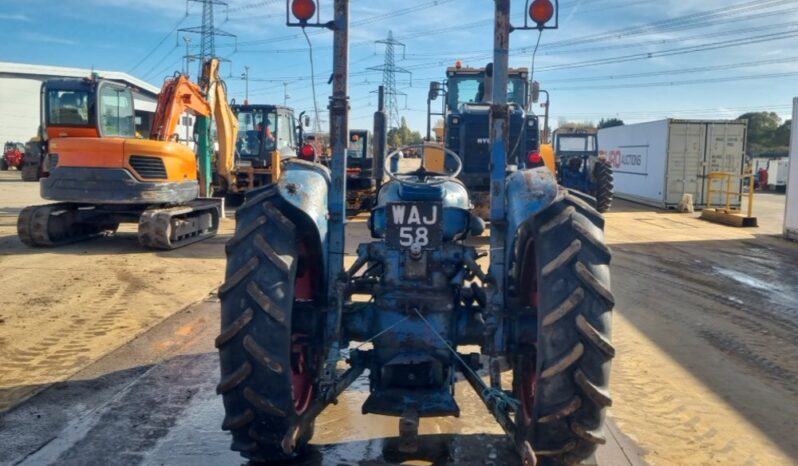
(13,153)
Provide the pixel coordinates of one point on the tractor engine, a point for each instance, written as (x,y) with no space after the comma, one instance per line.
(415,276)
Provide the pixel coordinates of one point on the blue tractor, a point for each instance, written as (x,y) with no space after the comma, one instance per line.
(296,317)
(580,166)
(467,96)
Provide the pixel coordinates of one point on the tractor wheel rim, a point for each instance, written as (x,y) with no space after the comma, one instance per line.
(301,375)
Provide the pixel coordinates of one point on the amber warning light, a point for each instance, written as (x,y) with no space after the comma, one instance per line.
(303,10)
(541,11)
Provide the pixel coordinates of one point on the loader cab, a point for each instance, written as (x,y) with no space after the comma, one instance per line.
(87,108)
(467,99)
(264,129)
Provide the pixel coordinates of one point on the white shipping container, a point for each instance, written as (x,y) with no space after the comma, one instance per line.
(791,214)
(658,162)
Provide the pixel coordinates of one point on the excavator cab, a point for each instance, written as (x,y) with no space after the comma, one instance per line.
(87,108)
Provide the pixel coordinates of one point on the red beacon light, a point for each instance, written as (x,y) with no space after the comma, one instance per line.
(541,11)
(303,10)
(308,152)
(535,159)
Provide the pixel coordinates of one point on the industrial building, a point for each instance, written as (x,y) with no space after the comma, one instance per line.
(20,99)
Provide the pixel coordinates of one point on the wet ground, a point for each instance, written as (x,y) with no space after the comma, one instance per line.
(106,353)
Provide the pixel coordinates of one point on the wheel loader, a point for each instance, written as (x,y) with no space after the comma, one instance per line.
(101,174)
(298,327)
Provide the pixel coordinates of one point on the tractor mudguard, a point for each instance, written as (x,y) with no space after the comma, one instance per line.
(528,192)
(304,187)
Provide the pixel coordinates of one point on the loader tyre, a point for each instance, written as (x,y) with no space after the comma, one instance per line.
(268,368)
(30,172)
(604,185)
(561,378)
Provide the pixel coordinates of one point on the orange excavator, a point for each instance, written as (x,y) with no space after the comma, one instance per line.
(102,174)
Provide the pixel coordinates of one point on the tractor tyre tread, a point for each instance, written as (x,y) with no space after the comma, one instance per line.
(255,342)
(605,185)
(574,324)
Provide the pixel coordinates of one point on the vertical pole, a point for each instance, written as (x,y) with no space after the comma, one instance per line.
(429,119)
(285,94)
(499,140)
(246,85)
(339,135)
(380,139)
(546,120)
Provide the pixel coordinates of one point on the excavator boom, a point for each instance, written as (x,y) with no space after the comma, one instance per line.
(178,95)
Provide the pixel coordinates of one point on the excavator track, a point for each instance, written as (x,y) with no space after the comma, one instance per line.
(175,227)
(53,225)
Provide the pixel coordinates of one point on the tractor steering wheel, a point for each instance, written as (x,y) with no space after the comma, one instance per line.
(424,176)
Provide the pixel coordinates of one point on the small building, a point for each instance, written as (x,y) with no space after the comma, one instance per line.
(20,96)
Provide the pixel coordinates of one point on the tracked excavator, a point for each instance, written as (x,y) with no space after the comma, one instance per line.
(102,174)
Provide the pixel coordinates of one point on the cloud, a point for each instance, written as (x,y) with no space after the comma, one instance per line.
(45,38)
(15,17)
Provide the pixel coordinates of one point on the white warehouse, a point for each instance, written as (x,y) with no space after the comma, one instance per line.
(20,100)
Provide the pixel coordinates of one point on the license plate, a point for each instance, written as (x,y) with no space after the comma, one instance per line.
(412,223)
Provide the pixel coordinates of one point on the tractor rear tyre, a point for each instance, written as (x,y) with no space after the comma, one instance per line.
(604,185)
(269,366)
(561,378)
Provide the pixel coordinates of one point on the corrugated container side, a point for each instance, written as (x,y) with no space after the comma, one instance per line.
(638,154)
(686,149)
(725,152)
(658,162)
(791,214)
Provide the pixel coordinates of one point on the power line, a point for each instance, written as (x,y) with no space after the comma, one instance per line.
(160,42)
(207,31)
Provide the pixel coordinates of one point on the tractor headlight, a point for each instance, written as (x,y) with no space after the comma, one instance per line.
(455,120)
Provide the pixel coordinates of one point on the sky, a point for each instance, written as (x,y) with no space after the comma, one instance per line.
(637,60)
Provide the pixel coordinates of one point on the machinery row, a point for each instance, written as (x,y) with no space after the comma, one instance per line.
(294,319)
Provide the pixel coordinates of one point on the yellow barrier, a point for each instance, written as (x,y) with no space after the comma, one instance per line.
(726,186)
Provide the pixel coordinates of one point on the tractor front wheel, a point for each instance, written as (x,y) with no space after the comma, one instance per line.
(270,363)
(561,377)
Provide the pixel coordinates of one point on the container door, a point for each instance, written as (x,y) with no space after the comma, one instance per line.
(725,153)
(685,159)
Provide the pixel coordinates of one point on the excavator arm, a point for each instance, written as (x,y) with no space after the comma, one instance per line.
(178,95)
(226,121)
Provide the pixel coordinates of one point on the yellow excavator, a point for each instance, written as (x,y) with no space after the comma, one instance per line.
(101,174)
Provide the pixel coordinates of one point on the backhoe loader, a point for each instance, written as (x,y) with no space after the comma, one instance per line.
(101,174)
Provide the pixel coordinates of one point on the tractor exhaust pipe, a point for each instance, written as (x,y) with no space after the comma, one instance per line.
(380,139)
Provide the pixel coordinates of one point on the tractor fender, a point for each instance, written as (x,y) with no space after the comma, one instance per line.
(304,186)
(528,192)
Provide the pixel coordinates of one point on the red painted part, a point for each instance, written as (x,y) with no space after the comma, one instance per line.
(527,362)
(305,283)
(301,374)
(529,386)
(14,158)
